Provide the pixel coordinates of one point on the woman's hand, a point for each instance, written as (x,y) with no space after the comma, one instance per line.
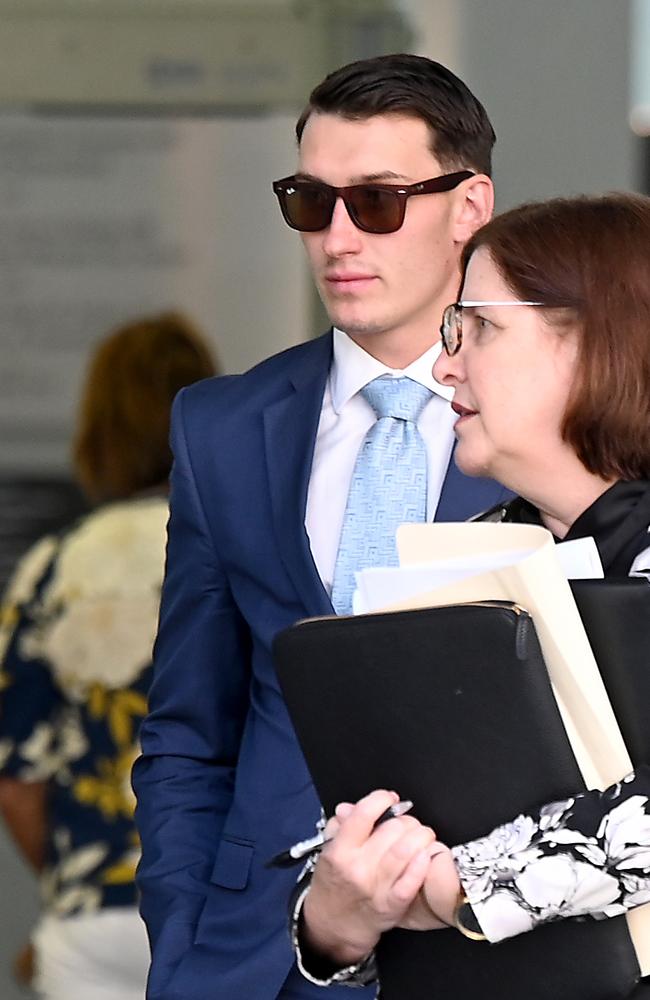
(433,907)
(365,880)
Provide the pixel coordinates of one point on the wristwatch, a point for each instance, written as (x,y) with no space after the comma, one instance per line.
(465,921)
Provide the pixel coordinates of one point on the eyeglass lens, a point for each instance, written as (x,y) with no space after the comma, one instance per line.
(451,329)
(308,207)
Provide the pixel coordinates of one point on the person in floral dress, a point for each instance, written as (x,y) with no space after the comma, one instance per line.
(78,622)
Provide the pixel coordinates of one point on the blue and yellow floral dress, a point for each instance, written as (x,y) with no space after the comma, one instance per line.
(78,622)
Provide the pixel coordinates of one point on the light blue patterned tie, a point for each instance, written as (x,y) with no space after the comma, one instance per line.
(389,483)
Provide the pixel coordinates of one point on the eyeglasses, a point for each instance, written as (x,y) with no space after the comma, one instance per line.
(451,329)
(308,206)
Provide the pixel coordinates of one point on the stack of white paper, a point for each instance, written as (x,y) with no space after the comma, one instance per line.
(381,587)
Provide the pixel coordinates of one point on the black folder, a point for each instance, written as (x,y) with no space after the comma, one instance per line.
(616,617)
(452,707)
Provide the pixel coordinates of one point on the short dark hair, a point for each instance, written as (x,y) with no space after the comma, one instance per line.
(121,445)
(461,132)
(588,260)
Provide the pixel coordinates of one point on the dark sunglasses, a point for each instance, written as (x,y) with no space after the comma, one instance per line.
(308,206)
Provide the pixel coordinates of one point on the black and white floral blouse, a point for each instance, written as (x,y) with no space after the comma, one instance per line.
(587,856)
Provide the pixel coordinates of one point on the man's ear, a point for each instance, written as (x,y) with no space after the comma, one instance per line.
(474,206)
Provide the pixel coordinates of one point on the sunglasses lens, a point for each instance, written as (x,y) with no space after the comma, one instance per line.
(306,207)
(375,210)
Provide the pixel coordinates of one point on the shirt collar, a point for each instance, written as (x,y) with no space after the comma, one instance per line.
(352,368)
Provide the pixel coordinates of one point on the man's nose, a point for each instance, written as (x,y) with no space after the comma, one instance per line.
(341,236)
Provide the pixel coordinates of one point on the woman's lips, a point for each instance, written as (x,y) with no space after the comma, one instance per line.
(463,412)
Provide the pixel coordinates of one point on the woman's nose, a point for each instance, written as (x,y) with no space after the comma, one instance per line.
(448,370)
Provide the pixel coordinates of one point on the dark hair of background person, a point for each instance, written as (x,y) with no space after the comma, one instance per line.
(588,259)
(121,444)
(402,84)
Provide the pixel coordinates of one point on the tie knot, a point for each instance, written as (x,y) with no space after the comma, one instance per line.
(396,397)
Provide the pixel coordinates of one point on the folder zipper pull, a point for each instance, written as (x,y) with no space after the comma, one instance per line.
(522,627)
(521,635)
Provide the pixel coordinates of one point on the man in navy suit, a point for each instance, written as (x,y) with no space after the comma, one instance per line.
(263,463)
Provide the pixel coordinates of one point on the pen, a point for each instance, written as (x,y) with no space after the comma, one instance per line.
(303,848)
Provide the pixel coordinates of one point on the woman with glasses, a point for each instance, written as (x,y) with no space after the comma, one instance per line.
(548,353)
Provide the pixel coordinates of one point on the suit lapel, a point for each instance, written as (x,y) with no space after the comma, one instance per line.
(464,496)
(290,426)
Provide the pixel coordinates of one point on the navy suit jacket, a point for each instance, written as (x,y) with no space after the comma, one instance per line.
(222,784)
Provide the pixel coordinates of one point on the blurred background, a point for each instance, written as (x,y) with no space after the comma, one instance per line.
(139,139)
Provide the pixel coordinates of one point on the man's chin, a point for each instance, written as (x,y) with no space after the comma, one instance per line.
(356,327)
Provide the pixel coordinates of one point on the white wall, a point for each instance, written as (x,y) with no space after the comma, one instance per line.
(553,76)
(105,220)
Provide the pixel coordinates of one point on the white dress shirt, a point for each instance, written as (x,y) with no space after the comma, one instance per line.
(345,420)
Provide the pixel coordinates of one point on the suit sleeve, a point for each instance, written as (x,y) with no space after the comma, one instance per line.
(190,740)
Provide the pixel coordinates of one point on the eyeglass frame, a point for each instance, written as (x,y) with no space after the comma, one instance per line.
(401,191)
(455,310)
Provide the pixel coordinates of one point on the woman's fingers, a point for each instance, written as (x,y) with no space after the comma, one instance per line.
(332,827)
(411,838)
(392,830)
(367,877)
(442,884)
(382,860)
(358,825)
(344,810)
(368,852)
(409,883)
